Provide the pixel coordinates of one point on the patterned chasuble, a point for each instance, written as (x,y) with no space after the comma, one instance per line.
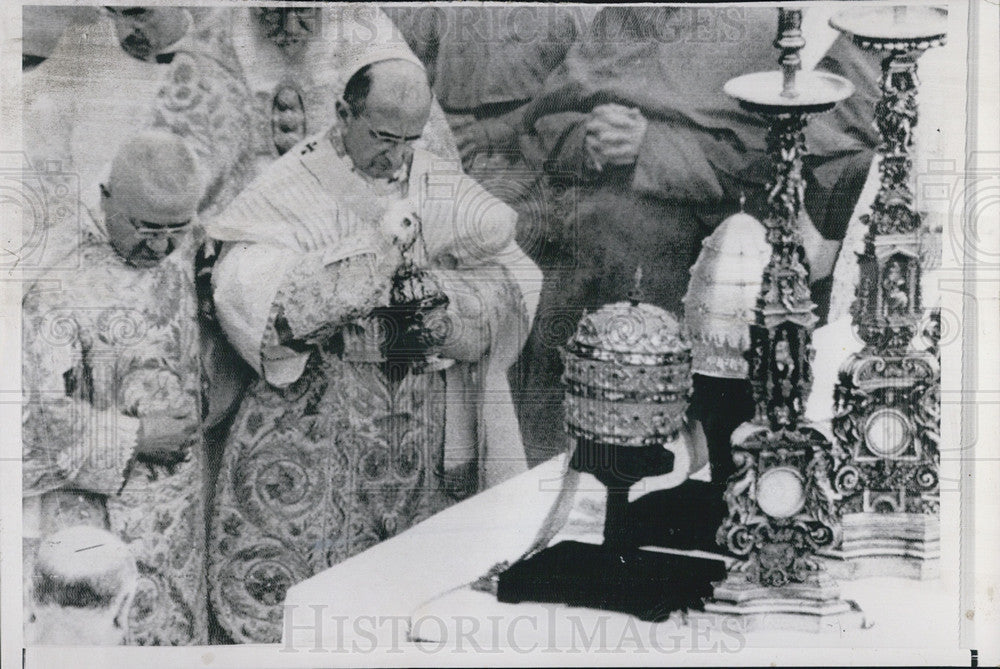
(315,473)
(342,458)
(101,351)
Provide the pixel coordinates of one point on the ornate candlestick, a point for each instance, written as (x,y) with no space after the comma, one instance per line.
(781,507)
(886,411)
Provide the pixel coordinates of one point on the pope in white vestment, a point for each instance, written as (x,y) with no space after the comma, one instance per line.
(253,82)
(329,455)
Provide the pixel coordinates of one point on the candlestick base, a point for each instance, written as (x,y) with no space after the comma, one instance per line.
(812,606)
(902,545)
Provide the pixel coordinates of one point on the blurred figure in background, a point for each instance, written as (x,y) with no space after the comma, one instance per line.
(97,87)
(485,64)
(650,155)
(94,91)
(43,26)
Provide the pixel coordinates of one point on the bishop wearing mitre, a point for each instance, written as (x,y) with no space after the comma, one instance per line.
(329,453)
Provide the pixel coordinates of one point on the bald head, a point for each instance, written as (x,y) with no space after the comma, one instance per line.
(155,176)
(154,187)
(384,108)
(82,586)
(388,85)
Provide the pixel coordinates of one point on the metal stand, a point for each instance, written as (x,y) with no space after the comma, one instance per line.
(887,413)
(781,505)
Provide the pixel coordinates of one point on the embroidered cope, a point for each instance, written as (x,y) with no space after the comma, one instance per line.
(328,455)
(102,352)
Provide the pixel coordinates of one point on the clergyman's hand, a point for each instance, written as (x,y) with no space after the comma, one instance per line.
(396,233)
(463,326)
(614,134)
(163,439)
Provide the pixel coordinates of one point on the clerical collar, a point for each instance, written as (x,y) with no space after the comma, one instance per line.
(400,178)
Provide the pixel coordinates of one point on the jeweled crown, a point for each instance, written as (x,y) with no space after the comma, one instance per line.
(627,374)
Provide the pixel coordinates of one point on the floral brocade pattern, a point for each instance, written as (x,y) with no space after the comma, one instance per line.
(314,473)
(204,103)
(312,291)
(124,341)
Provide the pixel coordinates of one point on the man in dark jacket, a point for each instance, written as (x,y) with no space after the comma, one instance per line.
(644,155)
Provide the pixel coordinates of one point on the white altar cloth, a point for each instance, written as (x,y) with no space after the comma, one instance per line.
(375,601)
(415,585)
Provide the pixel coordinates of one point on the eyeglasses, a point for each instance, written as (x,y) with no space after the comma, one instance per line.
(387,137)
(149,229)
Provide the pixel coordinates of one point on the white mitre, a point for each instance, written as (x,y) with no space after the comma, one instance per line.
(378,54)
(718,307)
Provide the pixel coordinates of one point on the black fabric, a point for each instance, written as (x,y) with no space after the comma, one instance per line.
(204,264)
(69,593)
(822,292)
(645,584)
(688,516)
(618,467)
(720,405)
(621,466)
(28,62)
(685,518)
